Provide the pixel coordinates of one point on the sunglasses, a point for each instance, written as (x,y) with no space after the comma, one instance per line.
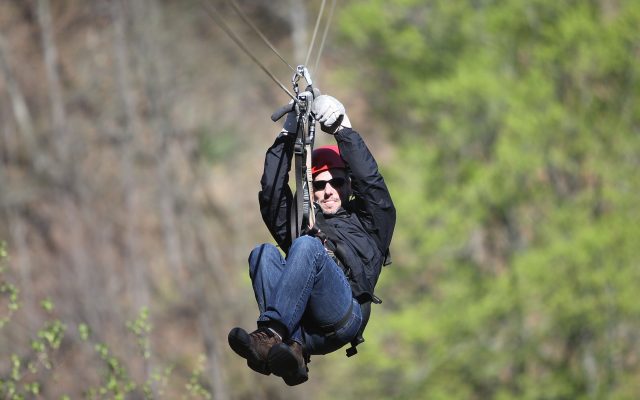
(335,183)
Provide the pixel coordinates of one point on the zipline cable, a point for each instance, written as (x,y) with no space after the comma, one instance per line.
(315,32)
(215,15)
(324,37)
(258,32)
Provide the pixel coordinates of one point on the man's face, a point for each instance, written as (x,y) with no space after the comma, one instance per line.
(330,189)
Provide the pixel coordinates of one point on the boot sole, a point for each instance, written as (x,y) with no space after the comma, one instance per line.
(240,343)
(284,364)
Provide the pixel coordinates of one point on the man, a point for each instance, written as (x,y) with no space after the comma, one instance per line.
(317,299)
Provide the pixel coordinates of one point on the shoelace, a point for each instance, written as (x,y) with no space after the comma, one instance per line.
(264,334)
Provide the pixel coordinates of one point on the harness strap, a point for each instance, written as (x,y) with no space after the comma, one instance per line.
(330,330)
(366,313)
(302,214)
(309,211)
(323,230)
(295,219)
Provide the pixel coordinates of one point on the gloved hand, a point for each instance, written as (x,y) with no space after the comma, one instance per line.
(330,113)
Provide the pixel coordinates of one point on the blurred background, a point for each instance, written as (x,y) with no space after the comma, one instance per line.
(132,136)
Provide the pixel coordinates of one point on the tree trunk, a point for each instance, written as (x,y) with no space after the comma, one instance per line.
(18,104)
(299,28)
(56,98)
(126,146)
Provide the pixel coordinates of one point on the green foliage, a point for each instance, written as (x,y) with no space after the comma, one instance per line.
(27,369)
(9,293)
(84,331)
(116,382)
(514,253)
(27,365)
(218,146)
(194,387)
(141,327)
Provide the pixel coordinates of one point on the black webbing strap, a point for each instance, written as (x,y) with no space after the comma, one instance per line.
(301,214)
(324,231)
(295,218)
(330,330)
(308,142)
(366,313)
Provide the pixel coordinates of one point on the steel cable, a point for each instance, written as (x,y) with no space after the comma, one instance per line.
(258,32)
(215,15)
(315,32)
(324,37)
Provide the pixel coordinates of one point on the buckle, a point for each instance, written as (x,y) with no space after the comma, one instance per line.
(298,147)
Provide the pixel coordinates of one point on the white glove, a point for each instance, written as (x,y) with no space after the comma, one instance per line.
(330,113)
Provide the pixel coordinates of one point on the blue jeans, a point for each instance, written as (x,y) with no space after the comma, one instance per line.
(304,292)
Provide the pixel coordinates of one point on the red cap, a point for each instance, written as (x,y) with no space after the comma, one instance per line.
(325,158)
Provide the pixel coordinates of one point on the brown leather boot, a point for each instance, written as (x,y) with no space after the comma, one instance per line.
(289,362)
(254,346)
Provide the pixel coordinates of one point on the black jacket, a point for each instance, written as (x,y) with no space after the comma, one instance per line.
(362,229)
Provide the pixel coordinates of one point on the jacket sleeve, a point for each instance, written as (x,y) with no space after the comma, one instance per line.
(372,201)
(276,197)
